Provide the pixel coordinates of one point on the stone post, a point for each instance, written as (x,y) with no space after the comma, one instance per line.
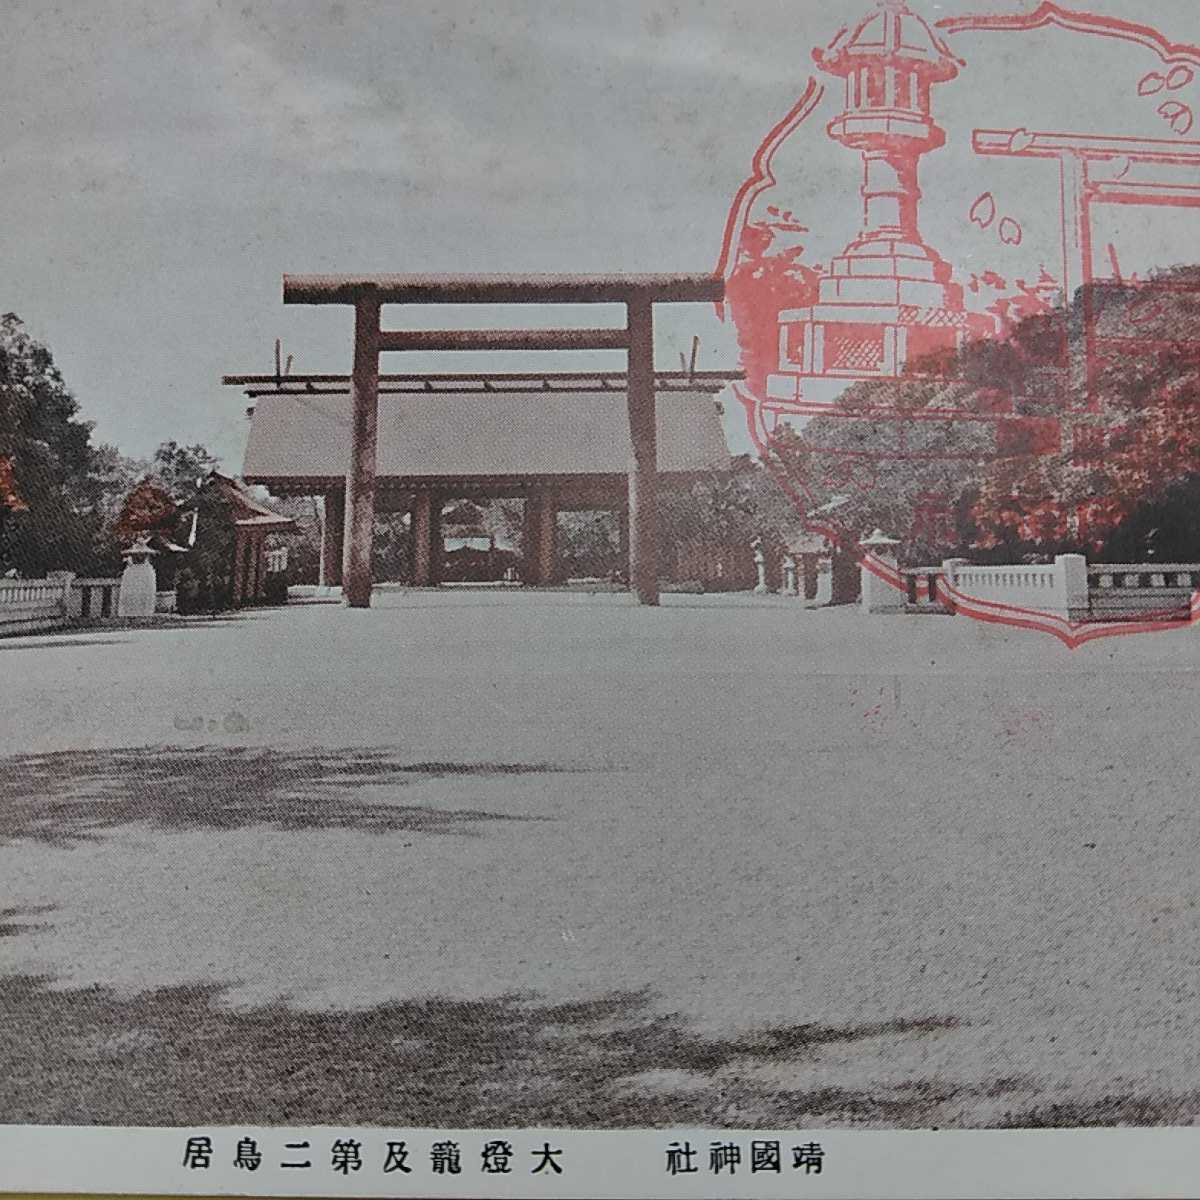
(1071,577)
(643,466)
(333,531)
(760,566)
(789,575)
(67,579)
(360,476)
(950,568)
(879,595)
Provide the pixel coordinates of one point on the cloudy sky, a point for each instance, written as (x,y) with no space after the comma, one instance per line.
(164,163)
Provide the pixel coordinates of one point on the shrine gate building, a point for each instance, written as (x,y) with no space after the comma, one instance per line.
(556,446)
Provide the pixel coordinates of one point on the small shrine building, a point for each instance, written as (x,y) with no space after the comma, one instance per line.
(253,522)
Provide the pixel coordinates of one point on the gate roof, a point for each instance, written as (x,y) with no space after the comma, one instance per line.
(299,441)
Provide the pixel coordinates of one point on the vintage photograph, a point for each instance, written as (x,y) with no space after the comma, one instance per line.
(624,566)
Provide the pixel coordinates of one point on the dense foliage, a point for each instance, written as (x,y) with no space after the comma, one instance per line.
(53,516)
(1009,449)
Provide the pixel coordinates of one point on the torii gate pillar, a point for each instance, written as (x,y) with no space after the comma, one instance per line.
(360,478)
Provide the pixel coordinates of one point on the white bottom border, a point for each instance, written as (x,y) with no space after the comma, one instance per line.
(600,1164)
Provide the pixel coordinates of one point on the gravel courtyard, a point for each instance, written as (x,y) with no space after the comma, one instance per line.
(485,859)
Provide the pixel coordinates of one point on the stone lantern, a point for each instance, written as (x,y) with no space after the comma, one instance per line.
(139,584)
(888,298)
(760,568)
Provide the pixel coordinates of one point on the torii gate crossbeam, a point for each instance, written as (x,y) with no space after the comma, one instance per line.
(638,293)
(1098,169)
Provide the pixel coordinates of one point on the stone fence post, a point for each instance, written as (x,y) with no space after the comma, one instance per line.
(67,579)
(1072,584)
(760,566)
(789,575)
(950,568)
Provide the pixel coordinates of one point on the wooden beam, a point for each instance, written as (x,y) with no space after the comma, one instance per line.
(1172,195)
(529,524)
(239,568)
(333,538)
(499,380)
(504,339)
(421,531)
(545,537)
(360,478)
(504,289)
(643,438)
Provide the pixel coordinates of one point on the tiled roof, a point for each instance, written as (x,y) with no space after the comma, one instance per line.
(248,509)
(457,435)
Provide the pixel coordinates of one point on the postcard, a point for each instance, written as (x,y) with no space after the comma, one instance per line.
(599,600)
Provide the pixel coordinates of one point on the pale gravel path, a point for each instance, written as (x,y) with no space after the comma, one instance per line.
(761,815)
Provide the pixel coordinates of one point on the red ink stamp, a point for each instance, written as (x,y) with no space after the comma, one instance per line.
(959,274)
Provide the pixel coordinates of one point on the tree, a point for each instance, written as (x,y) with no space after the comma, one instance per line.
(182,469)
(304,546)
(148,511)
(724,514)
(50,461)
(1010,448)
(1162,529)
(733,507)
(768,277)
(589,544)
(391,552)
(204,582)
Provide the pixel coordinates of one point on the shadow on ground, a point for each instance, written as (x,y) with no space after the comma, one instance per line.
(176,1056)
(61,643)
(82,634)
(76,795)
(11,925)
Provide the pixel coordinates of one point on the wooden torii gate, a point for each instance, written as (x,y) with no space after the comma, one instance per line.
(367,293)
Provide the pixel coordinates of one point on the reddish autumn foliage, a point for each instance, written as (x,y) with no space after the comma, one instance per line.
(766,281)
(1045,437)
(10,497)
(147,510)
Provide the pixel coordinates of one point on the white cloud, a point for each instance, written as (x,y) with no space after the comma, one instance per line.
(322,124)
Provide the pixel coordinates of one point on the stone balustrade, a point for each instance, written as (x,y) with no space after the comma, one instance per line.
(62,599)
(34,605)
(921,589)
(93,599)
(1058,589)
(1069,587)
(1142,590)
